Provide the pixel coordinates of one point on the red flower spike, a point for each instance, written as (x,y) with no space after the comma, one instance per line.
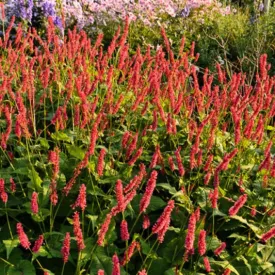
(116,265)
(65,250)
(202,242)
(238,205)
(38,243)
(23,238)
(34,203)
(220,249)
(206,264)
(78,232)
(151,184)
(124,234)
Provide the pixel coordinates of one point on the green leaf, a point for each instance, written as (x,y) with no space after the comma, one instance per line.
(101,261)
(60,136)
(75,151)
(23,268)
(253,227)
(168,187)
(10,245)
(224,265)
(35,180)
(158,267)
(44,143)
(93,219)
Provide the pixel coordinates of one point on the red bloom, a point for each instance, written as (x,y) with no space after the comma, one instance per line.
(116,265)
(38,243)
(146,222)
(23,238)
(34,204)
(190,237)
(124,234)
(100,163)
(237,205)
(142,272)
(100,272)
(104,229)
(151,184)
(268,235)
(179,161)
(129,252)
(3,194)
(227,272)
(171,163)
(135,157)
(162,224)
(65,250)
(78,232)
(81,199)
(213,196)
(220,249)
(202,242)
(119,195)
(206,264)
(198,213)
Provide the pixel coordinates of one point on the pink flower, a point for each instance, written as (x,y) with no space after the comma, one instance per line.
(116,265)
(100,272)
(162,224)
(202,242)
(206,264)
(190,237)
(132,161)
(23,238)
(103,230)
(124,231)
(38,243)
(129,252)
(78,232)
(268,235)
(119,195)
(237,205)
(34,204)
(100,163)
(65,250)
(179,161)
(220,249)
(81,199)
(142,272)
(227,272)
(146,222)
(151,184)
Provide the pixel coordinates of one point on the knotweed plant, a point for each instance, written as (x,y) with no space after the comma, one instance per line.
(119,163)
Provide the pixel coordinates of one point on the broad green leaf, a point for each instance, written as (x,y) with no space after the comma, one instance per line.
(10,245)
(93,219)
(35,180)
(24,267)
(75,151)
(224,265)
(44,143)
(168,187)
(253,227)
(60,136)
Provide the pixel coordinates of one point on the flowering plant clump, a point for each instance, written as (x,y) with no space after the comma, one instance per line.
(131,162)
(89,12)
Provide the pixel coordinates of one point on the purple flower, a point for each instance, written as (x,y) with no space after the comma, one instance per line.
(48,9)
(185,12)
(261,7)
